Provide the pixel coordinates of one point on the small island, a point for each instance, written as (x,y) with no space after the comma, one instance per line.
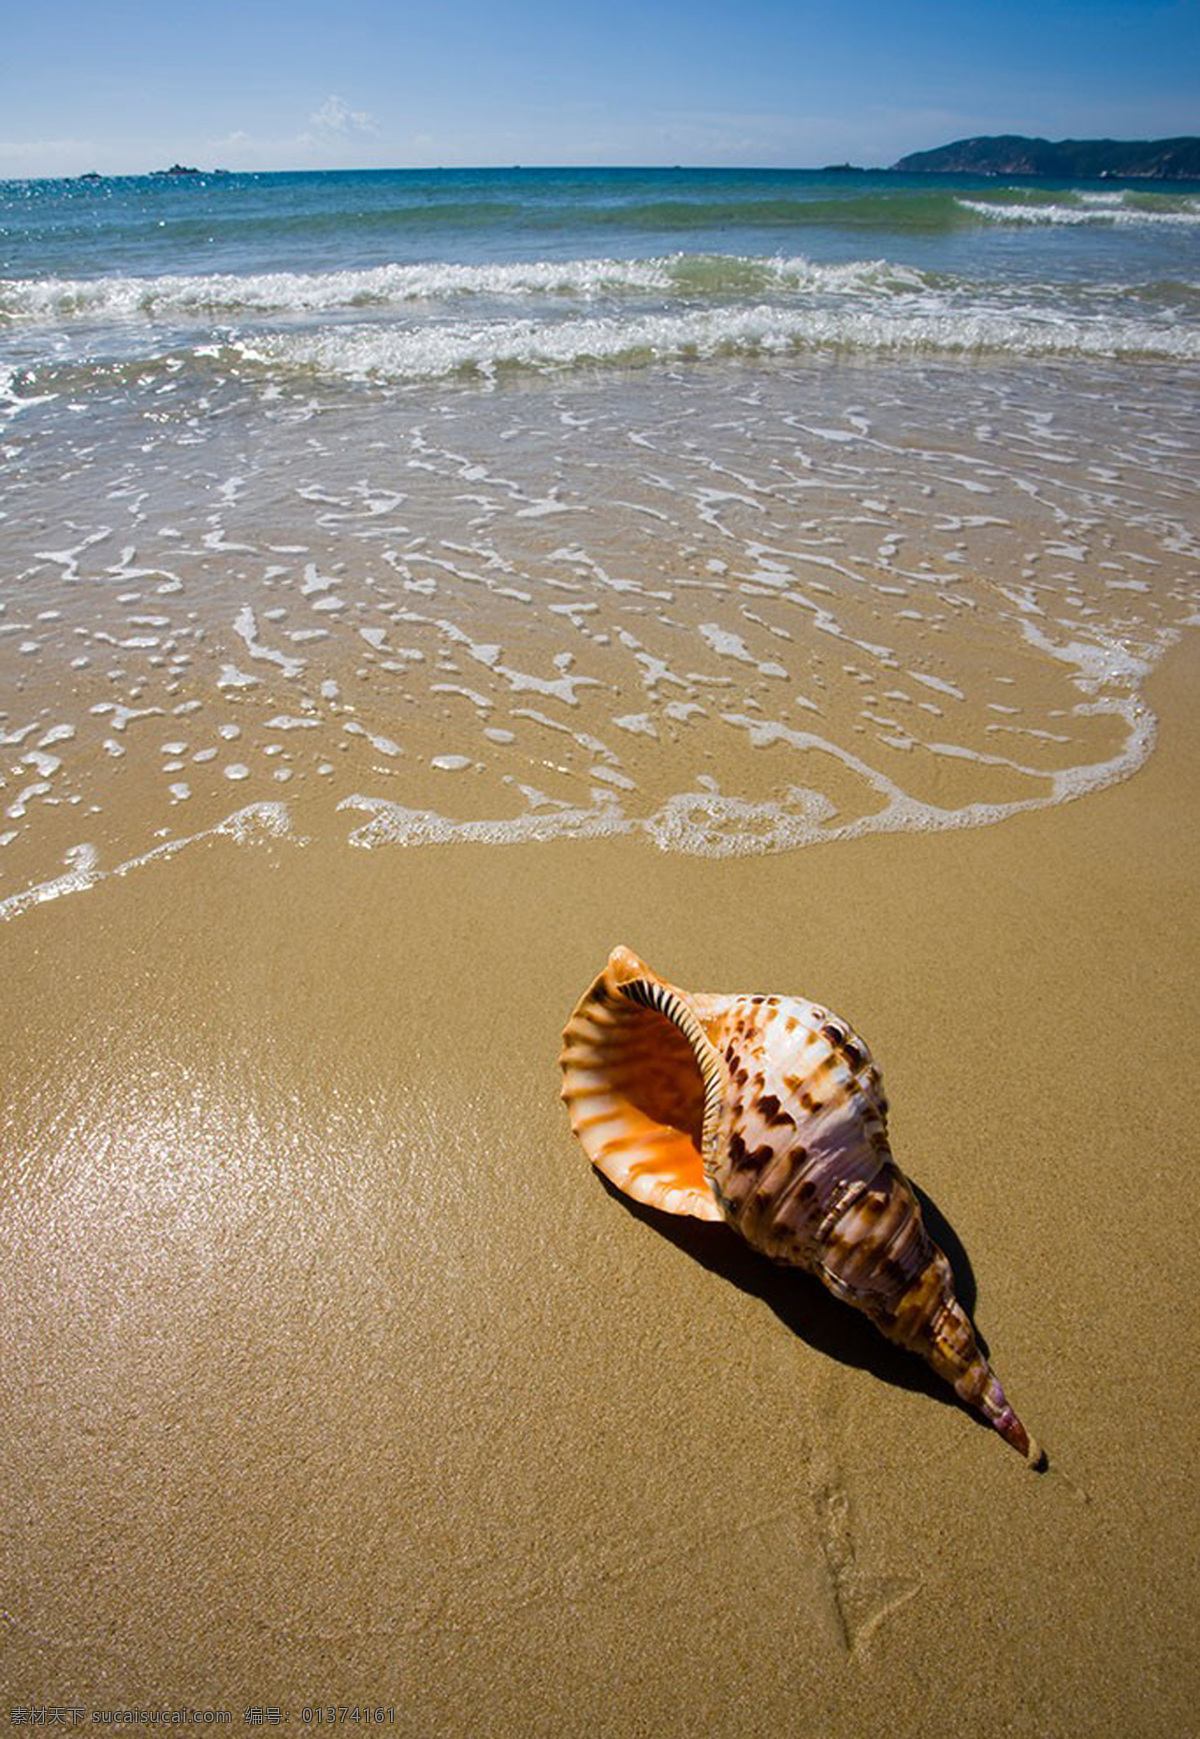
(1073,159)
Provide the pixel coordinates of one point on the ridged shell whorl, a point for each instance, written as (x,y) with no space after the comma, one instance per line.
(768,1112)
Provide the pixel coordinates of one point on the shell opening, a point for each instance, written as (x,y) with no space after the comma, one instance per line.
(642,1082)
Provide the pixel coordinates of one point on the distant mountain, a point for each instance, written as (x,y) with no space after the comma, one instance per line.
(1077,159)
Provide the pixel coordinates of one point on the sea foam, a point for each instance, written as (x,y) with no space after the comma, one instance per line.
(389,353)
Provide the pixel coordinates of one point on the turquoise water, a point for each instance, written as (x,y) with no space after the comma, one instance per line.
(732,509)
(346,219)
(320,271)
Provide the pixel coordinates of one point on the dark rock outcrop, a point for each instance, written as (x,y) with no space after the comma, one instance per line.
(1073,159)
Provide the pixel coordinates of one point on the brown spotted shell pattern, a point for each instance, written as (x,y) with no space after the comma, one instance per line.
(769,1113)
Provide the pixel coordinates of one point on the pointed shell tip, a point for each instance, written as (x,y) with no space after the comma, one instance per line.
(624,963)
(1012,1431)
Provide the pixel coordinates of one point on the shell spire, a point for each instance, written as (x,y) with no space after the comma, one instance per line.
(768,1112)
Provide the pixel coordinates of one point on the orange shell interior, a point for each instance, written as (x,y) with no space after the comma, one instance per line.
(635,1093)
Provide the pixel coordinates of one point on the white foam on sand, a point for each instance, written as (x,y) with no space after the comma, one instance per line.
(784,589)
(707,822)
(256,824)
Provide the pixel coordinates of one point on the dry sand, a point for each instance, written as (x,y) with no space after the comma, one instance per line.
(332,1374)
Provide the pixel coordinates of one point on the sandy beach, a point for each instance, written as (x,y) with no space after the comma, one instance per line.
(415,584)
(333,1375)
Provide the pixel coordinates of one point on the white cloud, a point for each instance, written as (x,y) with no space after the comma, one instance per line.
(331,137)
(336,116)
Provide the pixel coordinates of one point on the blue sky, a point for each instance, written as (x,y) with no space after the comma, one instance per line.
(286,84)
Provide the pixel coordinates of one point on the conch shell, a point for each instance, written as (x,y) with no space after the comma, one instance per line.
(768,1112)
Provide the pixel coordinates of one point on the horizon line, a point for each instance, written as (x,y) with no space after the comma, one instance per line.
(179,170)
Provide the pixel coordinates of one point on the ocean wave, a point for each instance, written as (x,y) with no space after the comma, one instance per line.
(393,353)
(903,210)
(224,295)
(1096,209)
(401,323)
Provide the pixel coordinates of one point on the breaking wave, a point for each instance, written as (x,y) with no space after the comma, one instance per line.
(1086,208)
(405,323)
(393,353)
(222,295)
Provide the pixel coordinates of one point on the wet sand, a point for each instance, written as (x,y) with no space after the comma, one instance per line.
(332,1374)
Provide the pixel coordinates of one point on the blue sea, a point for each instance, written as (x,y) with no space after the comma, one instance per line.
(411,275)
(735,509)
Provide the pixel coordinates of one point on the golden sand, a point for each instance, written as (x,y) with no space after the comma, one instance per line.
(333,1375)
